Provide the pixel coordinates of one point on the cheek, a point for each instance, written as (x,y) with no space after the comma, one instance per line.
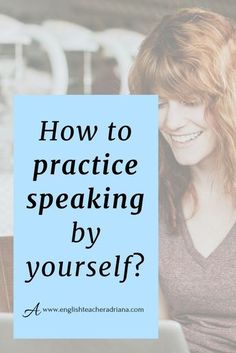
(210,128)
(204,118)
(211,139)
(162,116)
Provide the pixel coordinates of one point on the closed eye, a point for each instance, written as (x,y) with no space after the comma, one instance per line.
(162,104)
(191,104)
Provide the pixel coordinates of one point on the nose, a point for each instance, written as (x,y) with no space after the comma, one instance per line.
(173,116)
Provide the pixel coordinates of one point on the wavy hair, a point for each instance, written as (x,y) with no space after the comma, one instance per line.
(191,56)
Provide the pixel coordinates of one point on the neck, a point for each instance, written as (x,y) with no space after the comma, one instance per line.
(208,182)
(211,198)
(208,178)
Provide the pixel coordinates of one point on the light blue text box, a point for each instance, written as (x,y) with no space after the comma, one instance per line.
(119,301)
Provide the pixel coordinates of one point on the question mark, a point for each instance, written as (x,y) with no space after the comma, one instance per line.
(139,263)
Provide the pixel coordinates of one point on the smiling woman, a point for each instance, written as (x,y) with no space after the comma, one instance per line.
(189,60)
(187,132)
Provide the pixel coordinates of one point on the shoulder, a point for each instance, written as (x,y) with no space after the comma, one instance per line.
(171,244)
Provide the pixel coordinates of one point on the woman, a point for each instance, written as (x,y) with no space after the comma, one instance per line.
(189,60)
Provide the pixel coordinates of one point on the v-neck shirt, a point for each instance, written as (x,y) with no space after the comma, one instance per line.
(201,291)
(202,260)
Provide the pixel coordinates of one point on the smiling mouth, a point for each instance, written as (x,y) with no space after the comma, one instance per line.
(186,137)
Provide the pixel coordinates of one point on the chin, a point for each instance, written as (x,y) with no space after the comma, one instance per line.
(187,161)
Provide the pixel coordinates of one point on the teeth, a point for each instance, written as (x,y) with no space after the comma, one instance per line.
(186,138)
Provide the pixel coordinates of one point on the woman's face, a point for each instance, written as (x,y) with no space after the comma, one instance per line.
(185,129)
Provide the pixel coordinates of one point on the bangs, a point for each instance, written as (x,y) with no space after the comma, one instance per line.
(179,80)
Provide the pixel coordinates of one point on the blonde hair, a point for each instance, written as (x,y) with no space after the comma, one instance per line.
(191,56)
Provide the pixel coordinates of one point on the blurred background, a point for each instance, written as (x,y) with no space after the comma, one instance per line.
(71,47)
